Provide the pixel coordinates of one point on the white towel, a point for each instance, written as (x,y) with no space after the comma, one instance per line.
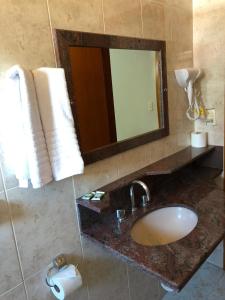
(28,147)
(57,121)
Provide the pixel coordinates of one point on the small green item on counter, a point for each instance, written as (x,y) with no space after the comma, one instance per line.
(98,196)
(88,196)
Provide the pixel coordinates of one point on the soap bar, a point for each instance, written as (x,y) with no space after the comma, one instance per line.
(98,196)
(88,196)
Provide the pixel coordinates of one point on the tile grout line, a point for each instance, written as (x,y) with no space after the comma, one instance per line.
(12,188)
(103,15)
(79,230)
(142,22)
(13,231)
(51,30)
(12,289)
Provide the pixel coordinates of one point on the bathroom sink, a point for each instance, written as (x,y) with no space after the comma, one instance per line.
(164,226)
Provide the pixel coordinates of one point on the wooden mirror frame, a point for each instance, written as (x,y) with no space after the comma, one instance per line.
(64,39)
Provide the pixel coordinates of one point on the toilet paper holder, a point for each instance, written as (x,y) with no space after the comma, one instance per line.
(57,263)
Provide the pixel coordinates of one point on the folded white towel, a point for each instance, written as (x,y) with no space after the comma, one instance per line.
(57,121)
(31,160)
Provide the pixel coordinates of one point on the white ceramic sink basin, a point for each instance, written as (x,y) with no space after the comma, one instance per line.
(164,226)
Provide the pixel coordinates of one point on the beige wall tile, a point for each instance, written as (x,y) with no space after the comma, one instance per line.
(170,145)
(77,15)
(106,275)
(155,151)
(10,275)
(207,39)
(184,139)
(48,227)
(153,20)
(25,34)
(96,175)
(132,160)
(207,4)
(209,49)
(216,139)
(181,26)
(178,56)
(183,4)
(173,94)
(122,17)
(212,73)
(18,293)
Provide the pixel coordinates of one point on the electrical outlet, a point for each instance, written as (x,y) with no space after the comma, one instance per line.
(211,116)
(150,106)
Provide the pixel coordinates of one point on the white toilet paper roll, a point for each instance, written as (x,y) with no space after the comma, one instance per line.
(65,282)
(199,139)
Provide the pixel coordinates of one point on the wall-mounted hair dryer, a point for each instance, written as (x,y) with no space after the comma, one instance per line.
(186,79)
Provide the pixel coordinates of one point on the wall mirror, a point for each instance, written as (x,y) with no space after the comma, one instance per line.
(117,88)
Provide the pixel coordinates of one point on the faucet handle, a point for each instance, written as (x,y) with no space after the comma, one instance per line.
(145,201)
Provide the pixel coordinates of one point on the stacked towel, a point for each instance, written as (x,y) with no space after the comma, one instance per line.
(57,121)
(31,160)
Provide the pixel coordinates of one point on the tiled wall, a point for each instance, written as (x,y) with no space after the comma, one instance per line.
(209,49)
(36,225)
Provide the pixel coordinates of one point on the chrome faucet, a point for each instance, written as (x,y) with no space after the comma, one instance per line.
(146,198)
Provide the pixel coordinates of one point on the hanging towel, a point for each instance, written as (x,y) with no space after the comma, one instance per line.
(57,121)
(30,156)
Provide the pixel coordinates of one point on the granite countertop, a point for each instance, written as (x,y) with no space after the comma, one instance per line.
(175,263)
(167,165)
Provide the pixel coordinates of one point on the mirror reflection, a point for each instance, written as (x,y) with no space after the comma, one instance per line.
(117,94)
